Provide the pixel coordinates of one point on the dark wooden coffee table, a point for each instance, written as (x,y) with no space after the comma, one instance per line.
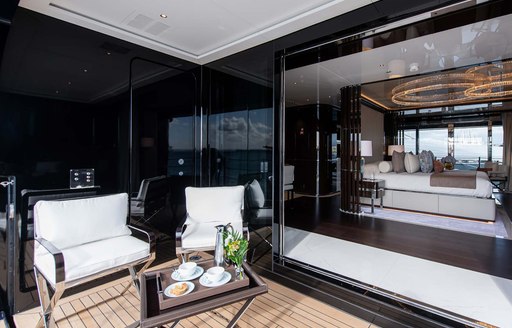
(151,315)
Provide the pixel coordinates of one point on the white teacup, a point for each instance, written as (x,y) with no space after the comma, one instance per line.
(187,269)
(215,273)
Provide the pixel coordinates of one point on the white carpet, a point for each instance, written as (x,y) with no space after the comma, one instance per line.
(492,229)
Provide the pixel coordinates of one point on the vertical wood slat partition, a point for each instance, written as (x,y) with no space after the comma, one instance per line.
(350,124)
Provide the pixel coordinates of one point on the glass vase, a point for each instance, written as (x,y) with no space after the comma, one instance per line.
(239,272)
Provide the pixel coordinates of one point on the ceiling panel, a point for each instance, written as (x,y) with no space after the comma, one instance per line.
(472,44)
(195,30)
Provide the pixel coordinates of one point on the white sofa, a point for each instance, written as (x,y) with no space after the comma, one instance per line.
(479,208)
(80,240)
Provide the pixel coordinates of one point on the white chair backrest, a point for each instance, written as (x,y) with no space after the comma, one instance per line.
(67,223)
(288,174)
(214,204)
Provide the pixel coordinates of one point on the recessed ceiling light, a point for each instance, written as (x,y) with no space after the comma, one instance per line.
(69,82)
(85,70)
(163,15)
(56,91)
(109,53)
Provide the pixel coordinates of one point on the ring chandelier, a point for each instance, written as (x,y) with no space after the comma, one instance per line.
(493,80)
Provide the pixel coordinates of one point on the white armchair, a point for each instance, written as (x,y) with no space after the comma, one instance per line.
(79,240)
(208,207)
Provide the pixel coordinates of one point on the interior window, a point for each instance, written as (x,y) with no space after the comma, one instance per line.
(497,143)
(410,140)
(470,145)
(435,140)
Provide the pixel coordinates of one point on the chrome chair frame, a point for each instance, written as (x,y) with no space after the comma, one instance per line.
(48,304)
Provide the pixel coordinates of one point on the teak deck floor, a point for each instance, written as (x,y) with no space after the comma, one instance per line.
(103,306)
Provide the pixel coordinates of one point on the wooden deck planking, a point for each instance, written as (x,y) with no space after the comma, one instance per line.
(103,306)
(328,313)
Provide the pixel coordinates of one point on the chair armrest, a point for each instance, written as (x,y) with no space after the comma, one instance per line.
(149,235)
(57,256)
(179,233)
(137,202)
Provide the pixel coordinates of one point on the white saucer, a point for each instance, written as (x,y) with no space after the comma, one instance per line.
(226,277)
(176,275)
(167,291)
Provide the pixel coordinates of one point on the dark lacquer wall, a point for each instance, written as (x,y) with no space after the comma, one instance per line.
(42,139)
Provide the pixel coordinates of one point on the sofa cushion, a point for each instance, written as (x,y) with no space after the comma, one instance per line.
(385,166)
(438,167)
(397,160)
(67,223)
(411,163)
(426,161)
(91,258)
(255,196)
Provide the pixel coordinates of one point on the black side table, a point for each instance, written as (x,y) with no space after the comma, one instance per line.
(372,188)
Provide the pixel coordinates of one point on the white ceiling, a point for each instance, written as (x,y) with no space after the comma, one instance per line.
(471,44)
(195,30)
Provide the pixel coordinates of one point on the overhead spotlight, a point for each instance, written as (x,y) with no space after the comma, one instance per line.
(414,67)
(163,15)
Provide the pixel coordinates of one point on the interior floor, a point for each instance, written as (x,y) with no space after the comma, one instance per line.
(473,252)
(472,297)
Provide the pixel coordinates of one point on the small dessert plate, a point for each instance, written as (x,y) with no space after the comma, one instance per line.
(176,275)
(167,291)
(207,283)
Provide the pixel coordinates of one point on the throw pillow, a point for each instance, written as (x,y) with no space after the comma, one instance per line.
(411,163)
(438,167)
(397,160)
(426,161)
(385,166)
(256,196)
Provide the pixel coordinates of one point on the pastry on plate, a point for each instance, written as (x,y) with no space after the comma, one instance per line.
(179,289)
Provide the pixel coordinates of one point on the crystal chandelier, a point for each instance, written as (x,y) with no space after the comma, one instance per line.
(479,82)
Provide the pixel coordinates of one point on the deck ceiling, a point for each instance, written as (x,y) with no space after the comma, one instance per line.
(195,30)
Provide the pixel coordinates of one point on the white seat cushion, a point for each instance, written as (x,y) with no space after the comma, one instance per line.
(67,223)
(87,259)
(203,235)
